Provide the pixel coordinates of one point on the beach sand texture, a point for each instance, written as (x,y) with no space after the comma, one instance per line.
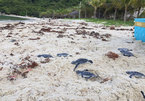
(56,80)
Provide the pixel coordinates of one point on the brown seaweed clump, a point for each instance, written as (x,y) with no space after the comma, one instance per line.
(22,69)
(112,55)
(45,29)
(83,23)
(49,30)
(46,60)
(60,36)
(112,27)
(105,80)
(34,38)
(1,68)
(95,34)
(33,64)
(81,32)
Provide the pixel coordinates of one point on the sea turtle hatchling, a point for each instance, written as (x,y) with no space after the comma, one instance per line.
(126,52)
(63,54)
(135,74)
(45,56)
(80,61)
(87,74)
(124,49)
(143,94)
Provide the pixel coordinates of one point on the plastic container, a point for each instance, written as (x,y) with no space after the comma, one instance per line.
(139,32)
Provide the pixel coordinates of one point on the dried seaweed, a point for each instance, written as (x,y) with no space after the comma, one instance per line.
(104,39)
(11,77)
(112,27)
(72,42)
(19,23)
(33,64)
(1,68)
(9,35)
(112,55)
(11,54)
(98,36)
(16,43)
(103,28)
(57,31)
(84,36)
(24,74)
(22,69)
(27,58)
(123,29)
(60,36)
(8,26)
(45,30)
(106,35)
(105,80)
(81,32)
(16,71)
(34,38)
(83,23)
(38,32)
(95,34)
(49,30)
(46,60)
(77,53)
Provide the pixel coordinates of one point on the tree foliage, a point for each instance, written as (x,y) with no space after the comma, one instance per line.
(112,9)
(35,7)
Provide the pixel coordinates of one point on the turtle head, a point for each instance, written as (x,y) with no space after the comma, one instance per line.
(129,72)
(90,61)
(78,72)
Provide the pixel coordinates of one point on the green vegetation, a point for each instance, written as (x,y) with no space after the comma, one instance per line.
(111,22)
(37,7)
(2,17)
(107,9)
(108,22)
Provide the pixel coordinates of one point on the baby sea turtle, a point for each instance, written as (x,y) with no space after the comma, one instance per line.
(63,54)
(45,56)
(80,61)
(86,74)
(124,49)
(125,52)
(143,94)
(135,74)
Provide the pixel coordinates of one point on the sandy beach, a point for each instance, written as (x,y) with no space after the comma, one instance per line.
(53,79)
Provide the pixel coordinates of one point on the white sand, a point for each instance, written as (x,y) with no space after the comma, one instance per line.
(56,81)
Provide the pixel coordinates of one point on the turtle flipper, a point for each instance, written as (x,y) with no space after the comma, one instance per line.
(76,66)
(131,75)
(143,94)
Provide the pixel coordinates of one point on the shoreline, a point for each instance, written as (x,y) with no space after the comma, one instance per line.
(28,19)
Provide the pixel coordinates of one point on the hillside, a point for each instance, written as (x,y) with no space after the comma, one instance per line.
(34,7)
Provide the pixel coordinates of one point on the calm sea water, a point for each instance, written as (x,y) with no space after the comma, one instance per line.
(5,18)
